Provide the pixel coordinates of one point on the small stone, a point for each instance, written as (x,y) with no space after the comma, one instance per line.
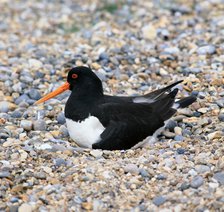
(181,151)
(22,98)
(221,117)
(171,124)
(4,107)
(35,64)
(220,102)
(4,174)
(178,138)
(39,125)
(172,50)
(63,131)
(178,131)
(60,162)
(16,114)
(25,207)
(14,199)
(40,175)
(184,186)
(214,135)
(61,118)
(34,94)
(132,168)
(96,153)
(144,173)
(203,110)
(219,176)
(209,49)
(202,169)
(149,32)
(159,200)
(26,124)
(197,181)
(87,205)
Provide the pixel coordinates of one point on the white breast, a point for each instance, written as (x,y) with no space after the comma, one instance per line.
(86,132)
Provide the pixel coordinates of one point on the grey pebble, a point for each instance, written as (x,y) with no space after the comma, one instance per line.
(219,176)
(4,107)
(22,98)
(197,181)
(184,186)
(171,124)
(40,175)
(34,94)
(221,117)
(209,49)
(61,118)
(220,102)
(39,125)
(132,168)
(26,124)
(103,56)
(159,200)
(181,151)
(14,199)
(202,168)
(161,177)
(178,138)
(59,162)
(144,173)
(4,174)
(64,131)
(16,114)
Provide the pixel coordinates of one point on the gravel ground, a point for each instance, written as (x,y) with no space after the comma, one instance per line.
(134,47)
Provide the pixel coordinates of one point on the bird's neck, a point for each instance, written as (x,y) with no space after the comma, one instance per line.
(81,103)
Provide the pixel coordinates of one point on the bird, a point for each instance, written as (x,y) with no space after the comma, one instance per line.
(98,121)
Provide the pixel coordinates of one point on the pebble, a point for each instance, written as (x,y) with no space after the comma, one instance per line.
(209,49)
(181,151)
(197,181)
(16,114)
(34,94)
(22,98)
(96,153)
(149,32)
(221,117)
(61,118)
(25,208)
(178,130)
(159,200)
(26,125)
(39,125)
(4,107)
(202,169)
(219,176)
(178,138)
(4,174)
(59,162)
(35,64)
(131,168)
(171,124)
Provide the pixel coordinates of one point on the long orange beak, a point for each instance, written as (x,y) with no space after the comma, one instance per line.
(59,90)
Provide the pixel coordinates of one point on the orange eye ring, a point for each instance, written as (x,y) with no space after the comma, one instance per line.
(74,76)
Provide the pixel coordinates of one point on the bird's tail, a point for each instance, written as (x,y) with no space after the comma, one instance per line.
(182,103)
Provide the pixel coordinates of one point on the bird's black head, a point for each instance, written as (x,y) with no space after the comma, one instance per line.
(83,78)
(81,81)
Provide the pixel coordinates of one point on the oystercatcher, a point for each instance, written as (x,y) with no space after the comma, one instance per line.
(99,121)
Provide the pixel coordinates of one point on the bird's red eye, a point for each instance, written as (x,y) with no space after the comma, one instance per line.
(74,76)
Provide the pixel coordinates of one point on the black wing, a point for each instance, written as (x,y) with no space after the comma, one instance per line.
(149,97)
(129,123)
